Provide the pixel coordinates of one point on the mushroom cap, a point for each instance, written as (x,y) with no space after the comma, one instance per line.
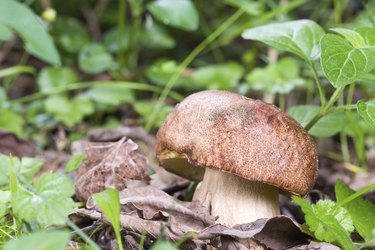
(235,134)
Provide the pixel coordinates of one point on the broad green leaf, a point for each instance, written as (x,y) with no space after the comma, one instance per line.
(222,76)
(5,33)
(40,240)
(93,58)
(154,36)
(367,111)
(327,126)
(20,18)
(368,34)
(162,70)
(70,33)
(176,13)
(52,78)
(145,109)
(69,111)
(111,39)
(26,167)
(110,95)
(109,202)
(361,210)
(353,37)
(280,77)
(50,202)
(251,7)
(343,63)
(3,98)
(74,163)
(328,221)
(12,122)
(163,245)
(4,202)
(298,37)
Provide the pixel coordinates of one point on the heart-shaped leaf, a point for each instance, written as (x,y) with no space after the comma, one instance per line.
(345,58)
(367,111)
(298,37)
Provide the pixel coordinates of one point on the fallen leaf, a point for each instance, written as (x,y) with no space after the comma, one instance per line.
(313,245)
(109,165)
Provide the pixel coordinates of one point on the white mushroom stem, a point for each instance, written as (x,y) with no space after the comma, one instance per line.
(236,200)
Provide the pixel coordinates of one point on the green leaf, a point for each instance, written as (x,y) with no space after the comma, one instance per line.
(52,78)
(56,240)
(368,34)
(367,111)
(5,33)
(111,39)
(163,245)
(298,37)
(361,211)
(21,19)
(176,13)
(93,58)
(12,122)
(280,77)
(221,76)
(110,95)
(109,202)
(25,168)
(69,111)
(74,163)
(254,8)
(162,70)
(353,37)
(154,36)
(70,33)
(145,109)
(5,197)
(343,63)
(49,204)
(327,126)
(328,221)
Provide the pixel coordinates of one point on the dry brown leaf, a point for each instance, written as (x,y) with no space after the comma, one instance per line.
(109,165)
(10,143)
(316,246)
(279,232)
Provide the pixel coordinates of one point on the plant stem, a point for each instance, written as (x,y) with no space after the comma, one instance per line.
(82,234)
(325,109)
(193,54)
(356,194)
(15,70)
(319,85)
(120,34)
(84,85)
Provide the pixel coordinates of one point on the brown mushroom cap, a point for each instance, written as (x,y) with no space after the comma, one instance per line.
(239,135)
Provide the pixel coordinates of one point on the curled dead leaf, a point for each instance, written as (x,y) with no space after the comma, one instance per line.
(110,165)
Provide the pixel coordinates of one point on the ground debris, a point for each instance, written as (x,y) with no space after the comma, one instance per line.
(109,165)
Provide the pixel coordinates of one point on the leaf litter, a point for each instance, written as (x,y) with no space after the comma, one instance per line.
(149,211)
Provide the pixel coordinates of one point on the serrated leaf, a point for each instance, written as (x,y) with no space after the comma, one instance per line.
(20,18)
(328,221)
(280,77)
(57,240)
(222,76)
(74,162)
(4,202)
(327,126)
(361,211)
(49,204)
(343,63)
(176,13)
(52,78)
(298,37)
(93,58)
(367,111)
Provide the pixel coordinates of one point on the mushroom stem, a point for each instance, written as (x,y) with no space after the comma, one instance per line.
(236,200)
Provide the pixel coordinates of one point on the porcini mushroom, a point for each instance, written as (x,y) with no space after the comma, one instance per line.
(249,149)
